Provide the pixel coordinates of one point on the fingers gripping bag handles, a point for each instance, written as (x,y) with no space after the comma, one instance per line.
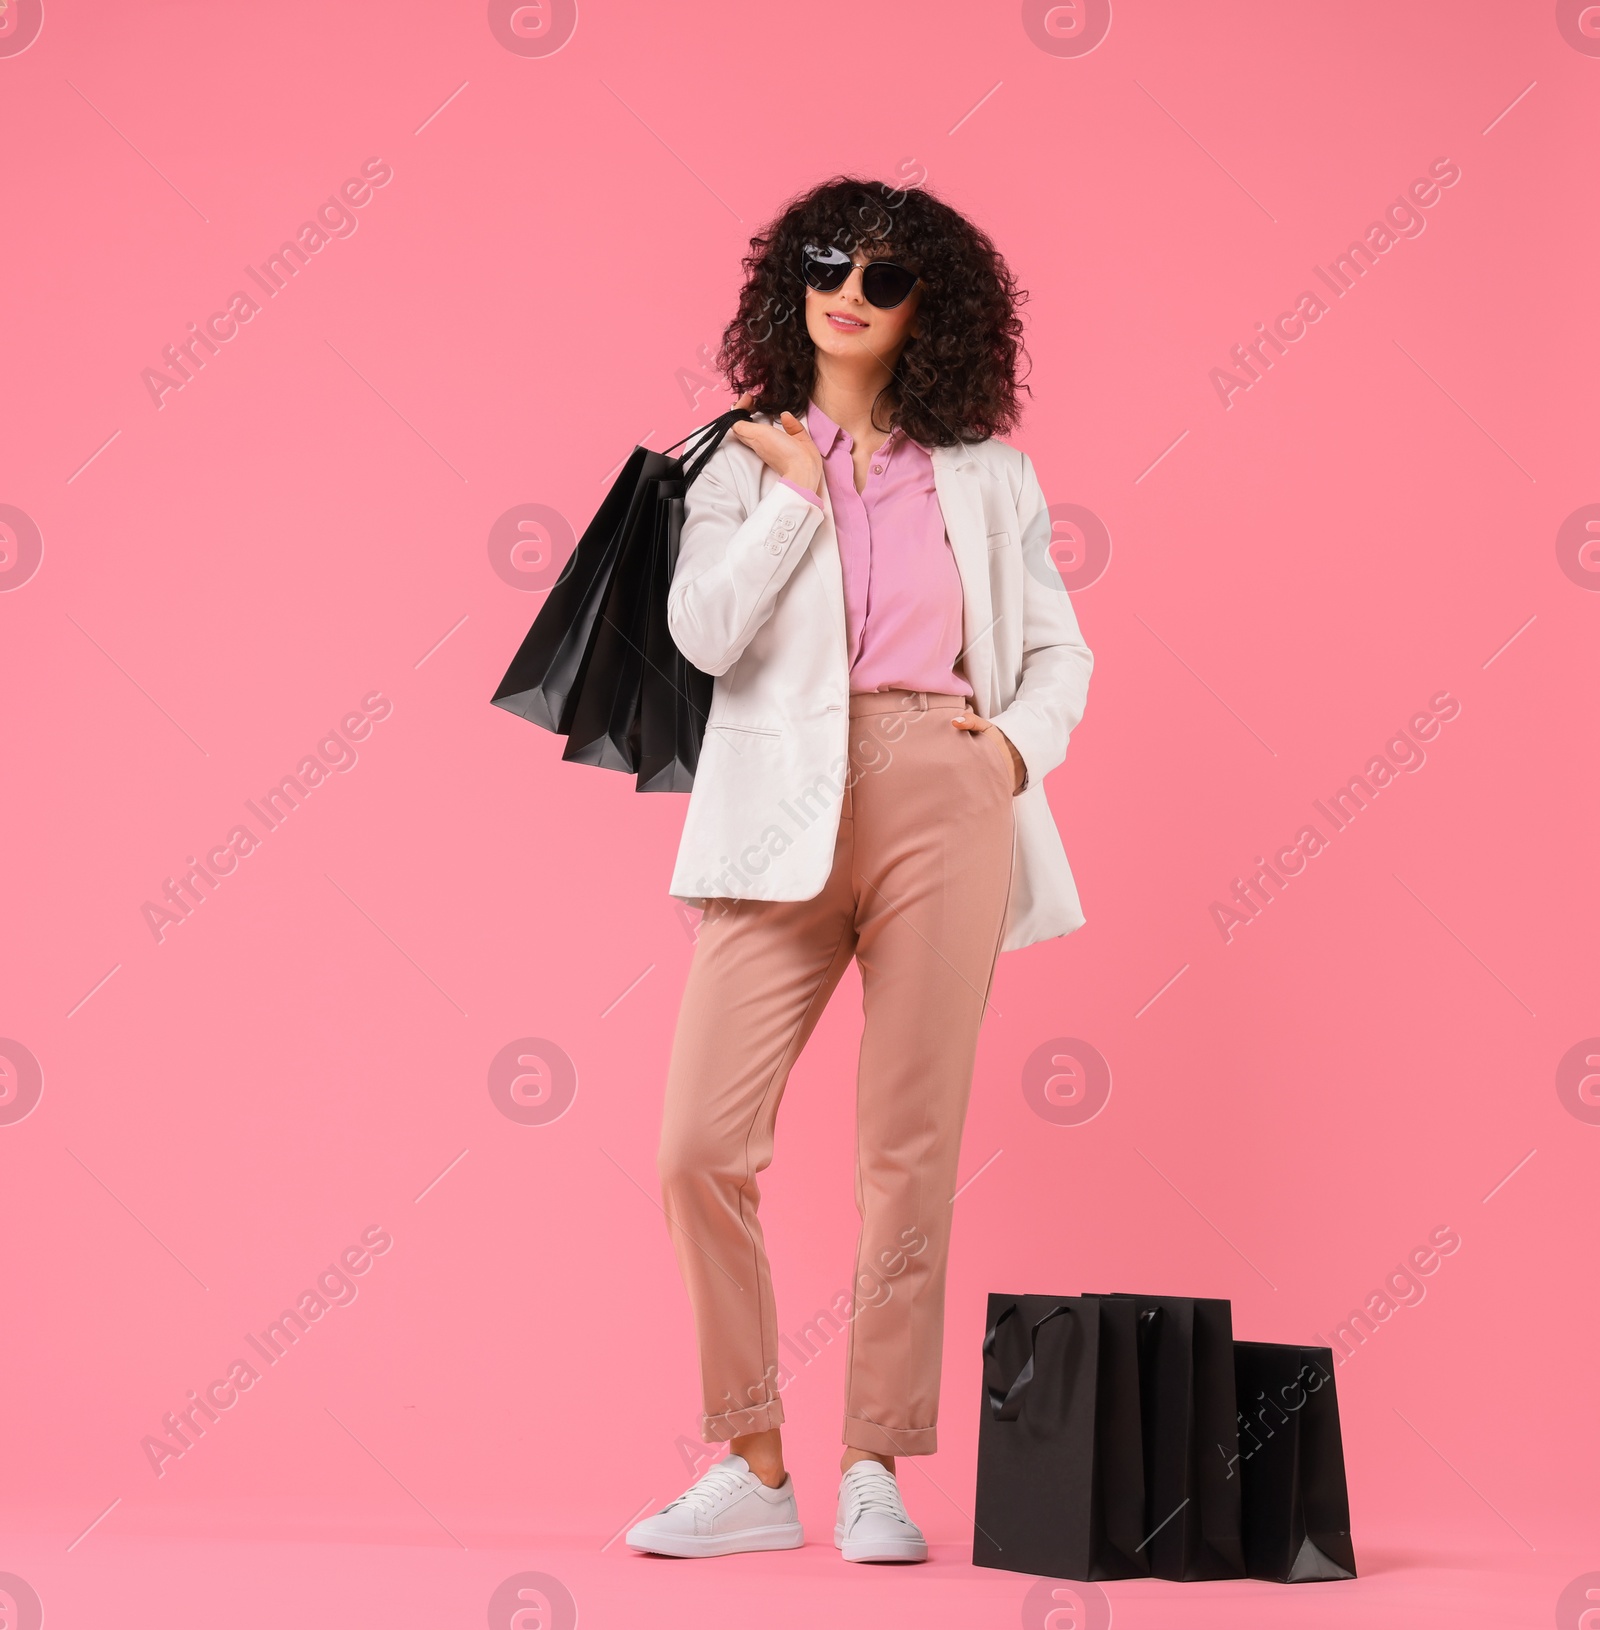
(584,668)
(1060,1460)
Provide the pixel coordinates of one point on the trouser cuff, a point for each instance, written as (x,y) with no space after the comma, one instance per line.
(890,1440)
(739,1423)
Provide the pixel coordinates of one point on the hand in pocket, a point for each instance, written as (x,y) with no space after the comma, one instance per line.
(1019,769)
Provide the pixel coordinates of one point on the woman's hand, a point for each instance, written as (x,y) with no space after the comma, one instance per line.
(785,447)
(1019,770)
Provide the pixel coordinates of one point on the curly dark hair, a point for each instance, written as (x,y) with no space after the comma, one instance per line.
(957,382)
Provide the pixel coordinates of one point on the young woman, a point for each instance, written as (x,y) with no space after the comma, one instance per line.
(866,571)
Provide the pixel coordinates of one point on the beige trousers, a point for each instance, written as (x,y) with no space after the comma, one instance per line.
(918,894)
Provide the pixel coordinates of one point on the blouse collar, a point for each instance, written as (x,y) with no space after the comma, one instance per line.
(825,433)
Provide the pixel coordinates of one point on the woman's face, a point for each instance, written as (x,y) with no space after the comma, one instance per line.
(843,324)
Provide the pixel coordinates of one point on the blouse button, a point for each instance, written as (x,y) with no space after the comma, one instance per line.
(877,469)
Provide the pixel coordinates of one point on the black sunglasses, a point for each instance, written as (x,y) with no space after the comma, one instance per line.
(883,283)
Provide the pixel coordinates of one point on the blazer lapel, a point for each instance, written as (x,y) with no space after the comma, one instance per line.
(956,478)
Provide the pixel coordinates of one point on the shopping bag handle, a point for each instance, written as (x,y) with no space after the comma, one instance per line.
(695,461)
(1007,1405)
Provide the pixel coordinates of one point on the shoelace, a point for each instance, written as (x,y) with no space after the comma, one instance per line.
(876,1494)
(717,1484)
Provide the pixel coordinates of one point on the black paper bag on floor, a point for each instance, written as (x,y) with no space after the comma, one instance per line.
(1060,1462)
(1186,1385)
(1295,1504)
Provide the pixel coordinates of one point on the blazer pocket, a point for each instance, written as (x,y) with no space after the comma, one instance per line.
(998,540)
(737,730)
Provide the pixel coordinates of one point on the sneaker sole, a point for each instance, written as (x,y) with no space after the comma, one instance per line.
(783,1537)
(888,1550)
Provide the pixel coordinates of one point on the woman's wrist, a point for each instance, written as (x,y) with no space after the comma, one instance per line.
(807,475)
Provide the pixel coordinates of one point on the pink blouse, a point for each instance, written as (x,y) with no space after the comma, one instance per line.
(902,591)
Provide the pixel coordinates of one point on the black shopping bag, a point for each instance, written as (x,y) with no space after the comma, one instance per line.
(1060,1462)
(675,695)
(1186,1389)
(1295,1505)
(541,683)
(591,632)
(604,728)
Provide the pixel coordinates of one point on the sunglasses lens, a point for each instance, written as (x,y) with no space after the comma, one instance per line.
(824,269)
(886,285)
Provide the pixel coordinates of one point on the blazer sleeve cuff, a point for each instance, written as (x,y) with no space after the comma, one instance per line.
(805,492)
(1023,731)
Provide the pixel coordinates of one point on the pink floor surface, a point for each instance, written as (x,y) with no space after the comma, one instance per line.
(110,1580)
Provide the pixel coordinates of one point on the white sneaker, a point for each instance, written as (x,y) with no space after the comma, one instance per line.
(729,1509)
(873,1525)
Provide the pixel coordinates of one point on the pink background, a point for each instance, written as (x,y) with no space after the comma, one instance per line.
(308,521)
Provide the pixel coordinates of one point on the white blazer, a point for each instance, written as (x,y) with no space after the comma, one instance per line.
(758,601)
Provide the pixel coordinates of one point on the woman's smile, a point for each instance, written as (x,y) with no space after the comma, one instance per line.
(846,325)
